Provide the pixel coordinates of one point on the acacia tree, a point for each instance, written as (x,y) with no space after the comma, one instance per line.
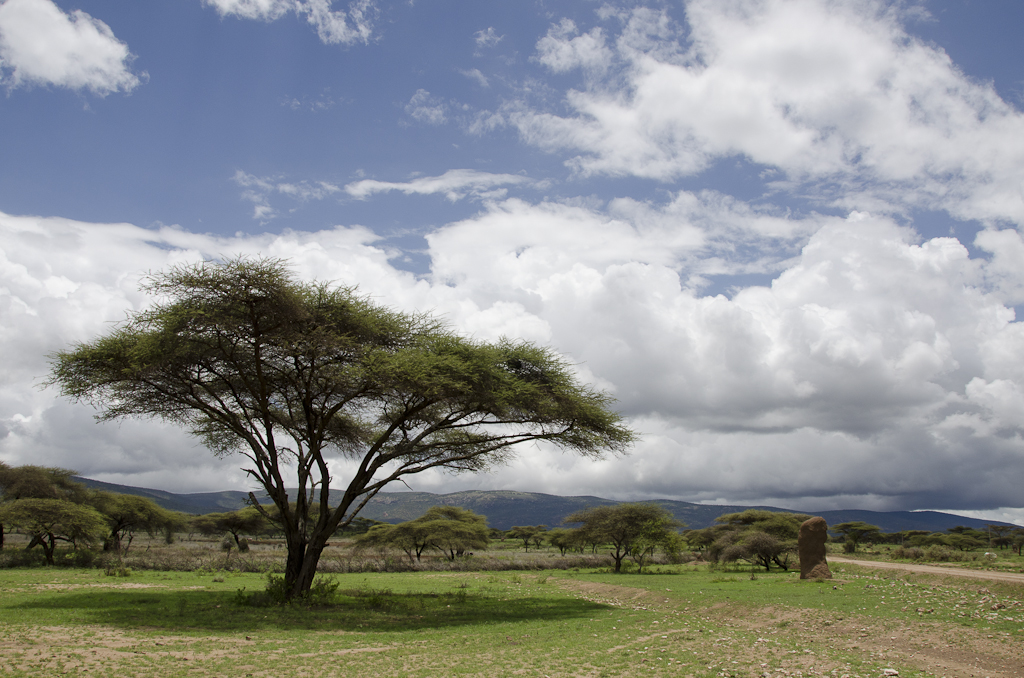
(856,531)
(629,527)
(38,482)
(755,535)
(48,521)
(297,376)
(243,521)
(452,530)
(408,536)
(127,514)
(530,534)
(565,539)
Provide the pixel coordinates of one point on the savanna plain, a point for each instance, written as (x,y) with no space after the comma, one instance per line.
(673,620)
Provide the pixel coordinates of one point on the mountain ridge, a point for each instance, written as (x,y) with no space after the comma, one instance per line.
(505,508)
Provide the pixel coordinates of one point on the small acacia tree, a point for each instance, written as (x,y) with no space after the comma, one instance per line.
(755,535)
(450,529)
(236,523)
(38,482)
(854,532)
(296,376)
(530,534)
(564,539)
(628,528)
(48,521)
(127,514)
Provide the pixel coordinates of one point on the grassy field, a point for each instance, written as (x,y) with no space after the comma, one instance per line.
(679,621)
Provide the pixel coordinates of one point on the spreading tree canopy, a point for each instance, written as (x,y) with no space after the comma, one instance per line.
(297,376)
(38,482)
(452,530)
(48,521)
(633,529)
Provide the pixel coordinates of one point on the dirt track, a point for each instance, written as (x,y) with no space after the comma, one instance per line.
(932,569)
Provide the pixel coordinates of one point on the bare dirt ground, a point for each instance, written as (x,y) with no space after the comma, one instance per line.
(990,575)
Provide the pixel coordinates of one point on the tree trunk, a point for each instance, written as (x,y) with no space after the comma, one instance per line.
(48,548)
(303,581)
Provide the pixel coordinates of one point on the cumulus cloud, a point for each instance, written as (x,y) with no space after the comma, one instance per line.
(453,184)
(876,370)
(836,95)
(42,45)
(63,281)
(332,26)
(562,49)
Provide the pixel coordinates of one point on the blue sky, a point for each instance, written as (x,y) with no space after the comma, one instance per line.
(785,234)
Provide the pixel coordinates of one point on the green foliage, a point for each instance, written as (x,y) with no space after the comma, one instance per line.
(38,482)
(451,530)
(127,514)
(48,521)
(293,375)
(633,529)
(565,540)
(528,534)
(762,538)
(277,592)
(856,531)
(243,521)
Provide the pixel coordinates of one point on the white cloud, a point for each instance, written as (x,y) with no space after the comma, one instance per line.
(63,281)
(871,365)
(40,44)
(563,49)
(453,184)
(476,76)
(332,26)
(426,108)
(487,38)
(259,190)
(836,95)
(875,371)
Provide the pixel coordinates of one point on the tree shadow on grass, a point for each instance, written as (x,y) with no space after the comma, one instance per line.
(363,610)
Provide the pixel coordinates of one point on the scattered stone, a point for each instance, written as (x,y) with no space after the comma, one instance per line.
(811,546)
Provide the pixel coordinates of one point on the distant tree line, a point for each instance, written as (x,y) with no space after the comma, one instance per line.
(50,508)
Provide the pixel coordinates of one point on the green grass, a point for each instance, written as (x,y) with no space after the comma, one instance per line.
(680,621)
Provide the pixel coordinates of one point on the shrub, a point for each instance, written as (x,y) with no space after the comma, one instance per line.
(938,553)
(321,593)
(905,553)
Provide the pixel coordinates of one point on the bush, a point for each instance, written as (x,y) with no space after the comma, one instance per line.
(904,553)
(937,553)
(849,546)
(321,593)
(22,558)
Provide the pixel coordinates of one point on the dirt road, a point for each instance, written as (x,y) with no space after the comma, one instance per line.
(1013,577)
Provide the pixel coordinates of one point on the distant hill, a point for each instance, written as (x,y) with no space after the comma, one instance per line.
(202,502)
(505,508)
